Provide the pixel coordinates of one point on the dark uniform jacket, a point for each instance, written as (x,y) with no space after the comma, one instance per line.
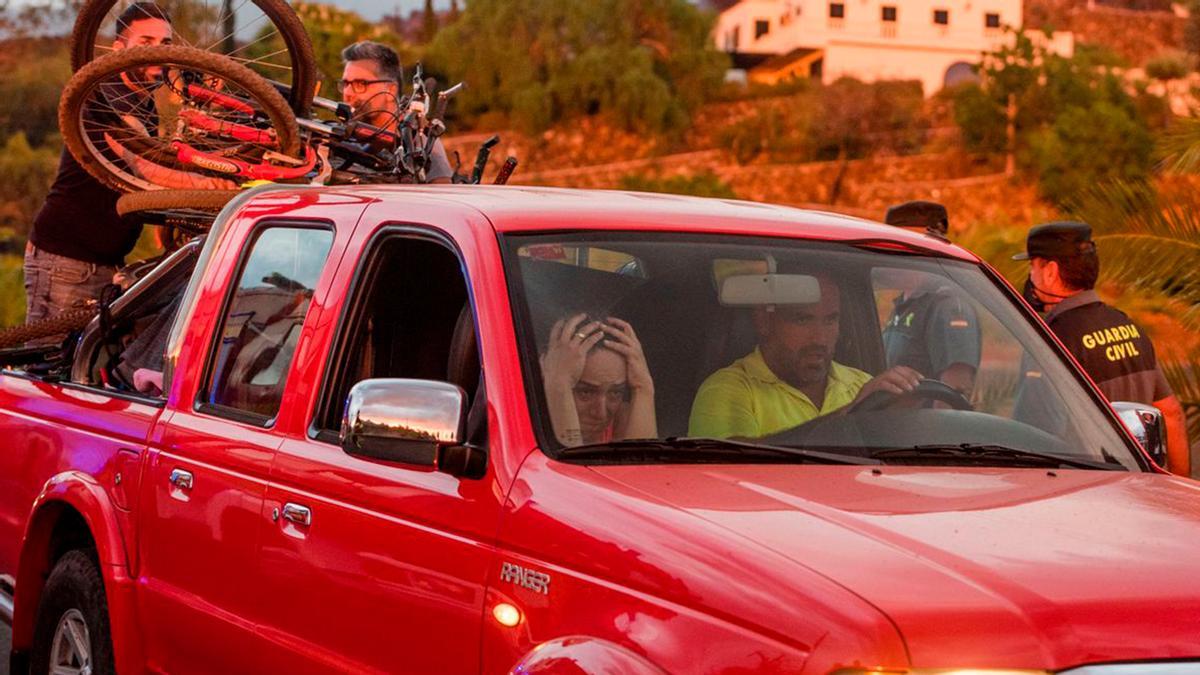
(1112,349)
(931,330)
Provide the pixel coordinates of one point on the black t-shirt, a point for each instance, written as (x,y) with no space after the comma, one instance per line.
(79,219)
(1111,348)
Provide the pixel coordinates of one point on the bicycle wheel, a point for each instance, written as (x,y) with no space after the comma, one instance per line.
(210,201)
(59,324)
(147,118)
(264,35)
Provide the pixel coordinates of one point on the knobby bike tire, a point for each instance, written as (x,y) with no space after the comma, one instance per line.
(60,324)
(163,200)
(81,84)
(291,30)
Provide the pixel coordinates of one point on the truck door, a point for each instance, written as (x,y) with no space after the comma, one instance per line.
(199,584)
(374,565)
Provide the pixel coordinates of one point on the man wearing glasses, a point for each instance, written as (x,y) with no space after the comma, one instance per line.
(371,85)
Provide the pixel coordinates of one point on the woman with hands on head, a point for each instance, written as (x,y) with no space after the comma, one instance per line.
(598,387)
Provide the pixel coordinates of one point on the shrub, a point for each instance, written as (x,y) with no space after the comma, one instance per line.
(25,177)
(1075,121)
(645,64)
(1088,146)
(779,131)
(704,184)
(1169,67)
(847,119)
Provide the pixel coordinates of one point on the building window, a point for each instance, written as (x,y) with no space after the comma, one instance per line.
(837,10)
(941,17)
(761,28)
(731,40)
(991,20)
(889,14)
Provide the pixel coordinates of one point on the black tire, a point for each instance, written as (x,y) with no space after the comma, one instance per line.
(75,585)
(165,200)
(59,324)
(299,46)
(81,85)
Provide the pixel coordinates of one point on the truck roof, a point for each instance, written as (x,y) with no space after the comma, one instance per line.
(533,209)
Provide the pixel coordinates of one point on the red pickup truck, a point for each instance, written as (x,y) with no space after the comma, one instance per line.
(549,431)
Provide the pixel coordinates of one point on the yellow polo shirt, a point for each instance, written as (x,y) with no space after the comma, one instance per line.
(747,400)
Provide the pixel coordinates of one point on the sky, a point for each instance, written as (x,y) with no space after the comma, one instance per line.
(374,9)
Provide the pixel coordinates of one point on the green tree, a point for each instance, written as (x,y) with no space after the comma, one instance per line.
(1085,146)
(33,72)
(1167,69)
(704,184)
(331,30)
(1069,121)
(1148,237)
(644,64)
(429,23)
(25,176)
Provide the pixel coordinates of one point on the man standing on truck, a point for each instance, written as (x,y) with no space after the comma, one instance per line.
(791,377)
(932,328)
(78,241)
(1114,351)
(371,85)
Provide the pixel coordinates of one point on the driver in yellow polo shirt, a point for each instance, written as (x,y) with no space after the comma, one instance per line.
(791,377)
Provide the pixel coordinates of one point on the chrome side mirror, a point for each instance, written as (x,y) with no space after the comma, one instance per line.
(1144,422)
(405,421)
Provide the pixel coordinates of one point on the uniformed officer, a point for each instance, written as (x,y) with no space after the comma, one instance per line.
(1112,349)
(932,329)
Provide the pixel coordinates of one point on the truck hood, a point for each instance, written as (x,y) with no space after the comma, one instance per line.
(976,567)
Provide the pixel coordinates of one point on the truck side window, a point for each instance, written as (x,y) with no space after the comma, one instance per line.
(409,317)
(262,321)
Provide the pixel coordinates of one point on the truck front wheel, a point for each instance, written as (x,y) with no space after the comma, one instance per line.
(72,632)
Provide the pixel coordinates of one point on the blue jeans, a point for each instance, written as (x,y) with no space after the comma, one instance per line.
(54,283)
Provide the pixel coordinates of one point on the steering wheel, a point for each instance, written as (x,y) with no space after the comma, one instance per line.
(928,389)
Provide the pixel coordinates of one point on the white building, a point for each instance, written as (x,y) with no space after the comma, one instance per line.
(934,41)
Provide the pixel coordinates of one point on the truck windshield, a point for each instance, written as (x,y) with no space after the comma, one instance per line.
(643,348)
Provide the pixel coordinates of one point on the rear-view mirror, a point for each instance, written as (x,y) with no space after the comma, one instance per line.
(756,290)
(1144,423)
(405,421)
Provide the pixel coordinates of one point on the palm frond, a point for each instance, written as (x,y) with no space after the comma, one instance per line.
(1124,208)
(1155,265)
(1182,146)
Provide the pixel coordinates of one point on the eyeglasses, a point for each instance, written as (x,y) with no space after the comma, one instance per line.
(359,86)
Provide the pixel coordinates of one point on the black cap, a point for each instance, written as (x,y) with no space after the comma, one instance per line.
(928,215)
(1061,239)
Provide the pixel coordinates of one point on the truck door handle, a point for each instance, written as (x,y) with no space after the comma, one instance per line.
(181,479)
(301,515)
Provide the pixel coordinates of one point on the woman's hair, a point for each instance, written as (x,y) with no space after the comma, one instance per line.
(543,332)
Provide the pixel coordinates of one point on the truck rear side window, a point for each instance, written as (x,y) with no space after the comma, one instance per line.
(262,322)
(410,317)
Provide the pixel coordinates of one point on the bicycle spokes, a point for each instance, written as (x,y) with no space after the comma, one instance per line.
(195,120)
(249,32)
